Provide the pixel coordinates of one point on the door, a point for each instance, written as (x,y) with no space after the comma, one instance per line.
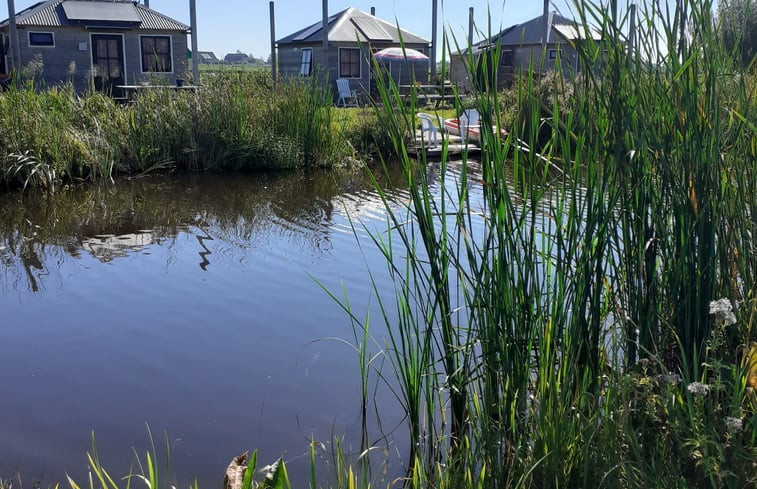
(108,63)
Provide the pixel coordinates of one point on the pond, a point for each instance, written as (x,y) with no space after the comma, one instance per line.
(190,305)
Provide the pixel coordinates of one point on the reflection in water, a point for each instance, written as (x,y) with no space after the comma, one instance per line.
(108,322)
(39,231)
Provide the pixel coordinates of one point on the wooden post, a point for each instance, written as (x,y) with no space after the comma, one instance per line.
(195,55)
(13,33)
(470,27)
(325,30)
(546,27)
(274,67)
(432,61)
(632,32)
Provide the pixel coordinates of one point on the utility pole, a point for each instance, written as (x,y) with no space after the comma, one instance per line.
(274,70)
(195,55)
(16,55)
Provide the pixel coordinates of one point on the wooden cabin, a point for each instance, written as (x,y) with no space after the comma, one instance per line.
(97,43)
(352,36)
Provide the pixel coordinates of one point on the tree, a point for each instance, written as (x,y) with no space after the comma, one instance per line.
(738,28)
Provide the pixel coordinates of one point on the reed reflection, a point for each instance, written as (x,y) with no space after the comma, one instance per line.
(38,232)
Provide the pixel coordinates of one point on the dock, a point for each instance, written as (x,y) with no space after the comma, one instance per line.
(455,146)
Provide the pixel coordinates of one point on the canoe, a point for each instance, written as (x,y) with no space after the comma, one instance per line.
(473,132)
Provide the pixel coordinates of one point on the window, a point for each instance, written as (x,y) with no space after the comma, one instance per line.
(156,54)
(306,62)
(41,39)
(349,63)
(553,54)
(507,60)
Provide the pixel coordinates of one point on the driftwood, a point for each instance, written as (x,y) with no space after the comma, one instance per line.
(235,472)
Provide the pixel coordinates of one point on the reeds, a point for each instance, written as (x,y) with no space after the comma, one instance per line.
(555,331)
(235,121)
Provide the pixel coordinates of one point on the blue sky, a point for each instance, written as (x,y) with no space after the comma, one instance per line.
(228,25)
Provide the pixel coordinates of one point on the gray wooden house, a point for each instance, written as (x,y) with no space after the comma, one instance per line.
(352,36)
(100,43)
(521,48)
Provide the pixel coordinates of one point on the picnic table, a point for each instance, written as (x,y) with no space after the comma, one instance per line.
(429,92)
(131,90)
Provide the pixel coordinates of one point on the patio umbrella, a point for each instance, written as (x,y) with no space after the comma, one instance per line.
(388,55)
(399,54)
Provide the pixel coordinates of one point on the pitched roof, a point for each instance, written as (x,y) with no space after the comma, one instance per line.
(353,25)
(58,13)
(532,32)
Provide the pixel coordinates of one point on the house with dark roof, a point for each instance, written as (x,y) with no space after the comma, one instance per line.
(236,58)
(99,43)
(352,36)
(208,57)
(521,47)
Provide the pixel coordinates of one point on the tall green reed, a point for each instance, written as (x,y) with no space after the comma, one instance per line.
(605,227)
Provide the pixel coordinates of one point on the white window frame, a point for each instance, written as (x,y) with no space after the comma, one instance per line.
(123,48)
(40,46)
(309,62)
(142,57)
(359,61)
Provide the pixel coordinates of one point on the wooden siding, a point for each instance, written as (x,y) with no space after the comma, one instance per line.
(290,56)
(522,61)
(65,62)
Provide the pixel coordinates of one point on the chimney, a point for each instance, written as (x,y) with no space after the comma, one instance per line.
(147,3)
(373,11)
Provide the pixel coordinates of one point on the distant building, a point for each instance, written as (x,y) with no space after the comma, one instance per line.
(521,48)
(104,43)
(236,58)
(207,57)
(352,36)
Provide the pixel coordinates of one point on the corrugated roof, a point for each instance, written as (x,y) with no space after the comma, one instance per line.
(532,32)
(51,14)
(353,25)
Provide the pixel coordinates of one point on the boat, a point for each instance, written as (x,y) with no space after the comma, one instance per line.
(470,132)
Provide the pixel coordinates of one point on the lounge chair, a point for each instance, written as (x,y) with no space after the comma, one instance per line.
(345,93)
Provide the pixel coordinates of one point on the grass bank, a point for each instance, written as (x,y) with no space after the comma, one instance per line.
(237,120)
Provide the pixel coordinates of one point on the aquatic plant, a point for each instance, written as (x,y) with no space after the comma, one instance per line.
(534,333)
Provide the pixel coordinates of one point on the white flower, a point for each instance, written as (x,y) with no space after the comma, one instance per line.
(734,425)
(722,311)
(698,389)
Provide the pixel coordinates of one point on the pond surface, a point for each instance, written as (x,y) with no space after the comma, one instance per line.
(187,304)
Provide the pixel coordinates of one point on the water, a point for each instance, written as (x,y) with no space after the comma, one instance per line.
(187,304)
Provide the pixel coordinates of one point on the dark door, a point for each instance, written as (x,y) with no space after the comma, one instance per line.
(108,63)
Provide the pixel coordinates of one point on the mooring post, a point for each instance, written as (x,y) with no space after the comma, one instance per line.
(274,68)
